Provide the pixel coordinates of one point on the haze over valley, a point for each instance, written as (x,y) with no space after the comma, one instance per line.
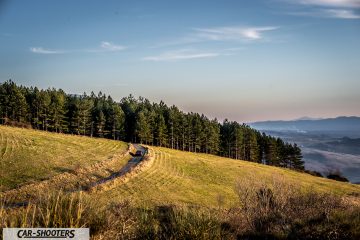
(327,144)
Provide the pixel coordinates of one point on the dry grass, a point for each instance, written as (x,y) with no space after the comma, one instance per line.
(55,210)
(30,156)
(175,195)
(179,178)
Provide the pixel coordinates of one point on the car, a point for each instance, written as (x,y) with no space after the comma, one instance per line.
(138,153)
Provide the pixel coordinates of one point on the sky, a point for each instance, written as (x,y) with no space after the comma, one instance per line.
(242,60)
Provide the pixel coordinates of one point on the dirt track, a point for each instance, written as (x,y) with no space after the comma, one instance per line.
(133,162)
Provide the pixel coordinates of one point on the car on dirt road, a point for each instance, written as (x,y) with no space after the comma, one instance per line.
(138,153)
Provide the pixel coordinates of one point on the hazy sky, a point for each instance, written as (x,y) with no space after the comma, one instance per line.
(244,60)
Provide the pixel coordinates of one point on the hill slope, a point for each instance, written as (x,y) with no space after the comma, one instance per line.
(170,177)
(176,177)
(171,192)
(29,156)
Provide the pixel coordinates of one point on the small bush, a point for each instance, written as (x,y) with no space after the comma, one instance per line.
(336,175)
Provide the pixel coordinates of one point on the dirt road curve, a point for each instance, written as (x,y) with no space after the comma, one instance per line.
(133,162)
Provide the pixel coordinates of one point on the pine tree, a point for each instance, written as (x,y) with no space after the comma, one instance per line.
(129,105)
(13,102)
(84,106)
(161,136)
(44,104)
(254,148)
(116,120)
(57,110)
(296,158)
(143,128)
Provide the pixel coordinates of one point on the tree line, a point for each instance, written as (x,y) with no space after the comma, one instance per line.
(139,120)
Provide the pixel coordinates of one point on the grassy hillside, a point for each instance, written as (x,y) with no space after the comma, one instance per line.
(29,156)
(176,177)
(171,177)
(171,195)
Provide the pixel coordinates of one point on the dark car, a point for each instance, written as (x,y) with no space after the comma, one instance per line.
(138,153)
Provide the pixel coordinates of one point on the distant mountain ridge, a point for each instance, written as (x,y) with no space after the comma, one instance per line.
(344,126)
(307,118)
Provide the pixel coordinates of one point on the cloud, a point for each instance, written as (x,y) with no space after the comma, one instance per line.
(41,50)
(104,47)
(180,55)
(108,46)
(329,13)
(233,33)
(341,13)
(226,33)
(341,9)
(332,3)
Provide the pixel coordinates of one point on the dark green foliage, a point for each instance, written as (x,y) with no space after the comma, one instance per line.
(337,175)
(13,103)
(138,120)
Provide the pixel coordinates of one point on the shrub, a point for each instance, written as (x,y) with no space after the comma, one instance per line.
(337,177)
(282,210)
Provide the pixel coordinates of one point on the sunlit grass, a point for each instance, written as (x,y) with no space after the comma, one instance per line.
(29,156)
(177,177)
(172,194)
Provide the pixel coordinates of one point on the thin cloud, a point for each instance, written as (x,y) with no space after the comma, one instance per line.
(41,50)
(103,47)
(233,33)
(180,55)
(341,13)
(329,13)
(226,33)
(341,9)
(234,49)
(108,46)
(332,3)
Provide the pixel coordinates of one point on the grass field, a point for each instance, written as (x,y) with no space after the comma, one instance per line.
(172,177)
(29,156)
(176,177)
(195,193)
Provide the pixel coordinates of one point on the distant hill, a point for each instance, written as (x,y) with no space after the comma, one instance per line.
(342,145)
(340,126)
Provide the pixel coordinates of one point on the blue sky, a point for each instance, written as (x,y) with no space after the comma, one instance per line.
(242,60)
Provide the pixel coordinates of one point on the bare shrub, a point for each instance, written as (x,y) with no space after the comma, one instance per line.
(274,208)
(120,222)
